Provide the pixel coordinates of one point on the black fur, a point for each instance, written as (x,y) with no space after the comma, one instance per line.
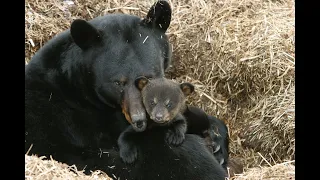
(128,147)
(213,130)
(191,160)
(75,86)
(220,140)
(176,134)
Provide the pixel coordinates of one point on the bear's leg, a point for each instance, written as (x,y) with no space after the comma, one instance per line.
(128,150)
(176,134)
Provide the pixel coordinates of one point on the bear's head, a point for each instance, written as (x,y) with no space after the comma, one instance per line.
(116,49)
(163,99)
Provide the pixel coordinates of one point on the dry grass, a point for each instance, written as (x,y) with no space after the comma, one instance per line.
(238,53)
(39,169)
(282,171)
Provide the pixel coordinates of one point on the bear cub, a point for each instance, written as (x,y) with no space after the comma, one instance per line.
(164,101)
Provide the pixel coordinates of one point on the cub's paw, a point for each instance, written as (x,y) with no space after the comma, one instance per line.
(129,154)
(175,137)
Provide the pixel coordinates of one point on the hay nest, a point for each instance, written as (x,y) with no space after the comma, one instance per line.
(38,168)
(282,171)
(239,54)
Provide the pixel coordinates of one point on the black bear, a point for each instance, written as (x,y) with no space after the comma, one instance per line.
(164,101)
(78,85)
(216,137)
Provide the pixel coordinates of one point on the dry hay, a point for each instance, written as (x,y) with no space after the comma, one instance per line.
(239,55)
(282,171)
(36,168)
(39,169)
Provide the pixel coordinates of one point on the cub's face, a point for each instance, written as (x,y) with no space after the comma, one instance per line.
(162,101)
(163,98)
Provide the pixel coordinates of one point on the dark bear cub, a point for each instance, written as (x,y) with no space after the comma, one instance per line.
(164,101)
(216,139)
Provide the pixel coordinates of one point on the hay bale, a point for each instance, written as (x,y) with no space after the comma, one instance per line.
(282,171)
(239,55)
(38,168)
(45,19)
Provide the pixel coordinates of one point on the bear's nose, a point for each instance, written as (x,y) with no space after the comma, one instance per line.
(159,117)
(139,124)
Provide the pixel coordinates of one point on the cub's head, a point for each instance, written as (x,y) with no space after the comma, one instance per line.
(116,49)
(163,98)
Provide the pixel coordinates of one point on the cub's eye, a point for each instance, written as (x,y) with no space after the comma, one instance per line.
(169,105)
(149,77)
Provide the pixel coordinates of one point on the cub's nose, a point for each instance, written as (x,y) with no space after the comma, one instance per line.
(159,117)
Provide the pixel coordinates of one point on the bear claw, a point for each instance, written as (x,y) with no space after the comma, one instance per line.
(129,155)
(174,138)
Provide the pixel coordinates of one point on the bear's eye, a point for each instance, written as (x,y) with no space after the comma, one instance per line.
(119,83)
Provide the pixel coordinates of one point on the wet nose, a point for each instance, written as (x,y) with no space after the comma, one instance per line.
(139,124)
(158,117)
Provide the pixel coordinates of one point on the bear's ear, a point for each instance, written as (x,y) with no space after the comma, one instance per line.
(187,88)
(84,34)
(140,82)
(159,16)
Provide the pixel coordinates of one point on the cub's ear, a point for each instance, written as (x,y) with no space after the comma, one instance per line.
(187,88)
(84,34)
(159,16)
(140,82)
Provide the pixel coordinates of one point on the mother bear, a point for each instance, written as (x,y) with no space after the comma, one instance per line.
(80,95)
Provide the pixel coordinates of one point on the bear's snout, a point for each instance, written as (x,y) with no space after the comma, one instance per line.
(140,125)
(158,117)
(133,109)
